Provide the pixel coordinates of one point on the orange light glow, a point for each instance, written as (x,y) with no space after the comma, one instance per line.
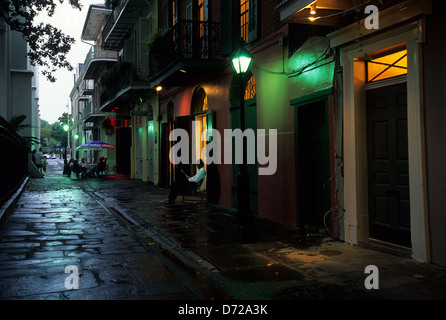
(388,66)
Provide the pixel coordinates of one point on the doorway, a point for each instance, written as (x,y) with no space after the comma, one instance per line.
(313,164)
(388,164)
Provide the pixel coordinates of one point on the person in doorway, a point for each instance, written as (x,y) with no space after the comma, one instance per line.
(182,181)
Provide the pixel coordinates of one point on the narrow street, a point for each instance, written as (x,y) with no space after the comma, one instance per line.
(112,238)
(57,225)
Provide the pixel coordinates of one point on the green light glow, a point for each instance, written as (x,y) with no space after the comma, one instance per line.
(241,62)
(66,127)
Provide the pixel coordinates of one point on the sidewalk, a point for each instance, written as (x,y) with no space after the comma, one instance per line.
(264,260)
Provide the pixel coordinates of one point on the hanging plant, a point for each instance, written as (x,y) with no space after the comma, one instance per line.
(111,80)
(157,45)
(109,124)
(111,4)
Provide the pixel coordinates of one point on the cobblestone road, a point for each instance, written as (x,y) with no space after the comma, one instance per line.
(57,225)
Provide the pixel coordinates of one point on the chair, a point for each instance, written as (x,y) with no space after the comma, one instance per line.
(200,189)
(76,170)
(102,167)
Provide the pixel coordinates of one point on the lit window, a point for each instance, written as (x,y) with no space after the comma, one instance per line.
(200,108)
(250,91)
(388,66)
(174,13)
(200,10)
(244,9)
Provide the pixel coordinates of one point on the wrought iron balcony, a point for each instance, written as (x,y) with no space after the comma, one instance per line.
(186,47)
(121,84)
(120,21)
(87,87)
(96,59)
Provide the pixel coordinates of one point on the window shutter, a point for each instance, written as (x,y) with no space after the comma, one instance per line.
(129,50)
(144,27)
(210,119)
(226,30)
(253,20)
(166,15)
(189,10)
(205,10)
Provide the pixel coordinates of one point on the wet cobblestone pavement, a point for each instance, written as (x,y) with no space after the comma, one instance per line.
(57,225)
(128,245)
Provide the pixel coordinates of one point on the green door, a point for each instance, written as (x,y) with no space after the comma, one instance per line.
(313,164)
(250,123)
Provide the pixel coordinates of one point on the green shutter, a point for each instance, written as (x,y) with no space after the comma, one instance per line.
(253,20)
(226,30)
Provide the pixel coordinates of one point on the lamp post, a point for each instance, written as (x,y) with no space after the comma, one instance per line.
(241,63)
(66,127)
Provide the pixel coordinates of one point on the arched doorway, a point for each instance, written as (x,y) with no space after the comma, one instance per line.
(205,118)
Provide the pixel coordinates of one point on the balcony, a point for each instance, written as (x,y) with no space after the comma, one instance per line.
(121,86)
(87,87)
(119,23)
(88,113)
(97,58)
(187,49)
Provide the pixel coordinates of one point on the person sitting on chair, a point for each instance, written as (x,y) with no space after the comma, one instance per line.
(102,165)
(182,181)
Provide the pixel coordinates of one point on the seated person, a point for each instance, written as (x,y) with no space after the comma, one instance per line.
(83,167)
(102,165)
(68,167)
(75,168)
(182,181)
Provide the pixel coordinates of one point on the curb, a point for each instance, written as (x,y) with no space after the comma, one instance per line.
(8,207)
(170,249)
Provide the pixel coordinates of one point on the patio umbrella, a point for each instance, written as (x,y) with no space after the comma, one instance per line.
(95,145)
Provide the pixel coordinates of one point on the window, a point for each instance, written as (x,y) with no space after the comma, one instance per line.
(200,10)
(174,13)
(250,90)
(238,23)
(244,16)
(387,66)
(199,108)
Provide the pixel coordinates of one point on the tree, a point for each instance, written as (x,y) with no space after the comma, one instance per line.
(45,132)
(57,131)
(16,123)
(48,46)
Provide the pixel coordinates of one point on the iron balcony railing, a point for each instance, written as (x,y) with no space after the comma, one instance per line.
(114,81)
(96,52)
(87,87)
(113,18)
(187,39)
(87,111)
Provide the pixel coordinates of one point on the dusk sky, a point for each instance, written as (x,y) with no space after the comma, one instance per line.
(54,97)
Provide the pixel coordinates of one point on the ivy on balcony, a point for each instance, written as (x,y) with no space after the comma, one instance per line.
(116,78)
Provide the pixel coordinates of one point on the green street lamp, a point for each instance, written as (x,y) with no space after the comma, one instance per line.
(66,127)
(241,63)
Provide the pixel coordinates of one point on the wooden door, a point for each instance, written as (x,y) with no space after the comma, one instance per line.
(388,165)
